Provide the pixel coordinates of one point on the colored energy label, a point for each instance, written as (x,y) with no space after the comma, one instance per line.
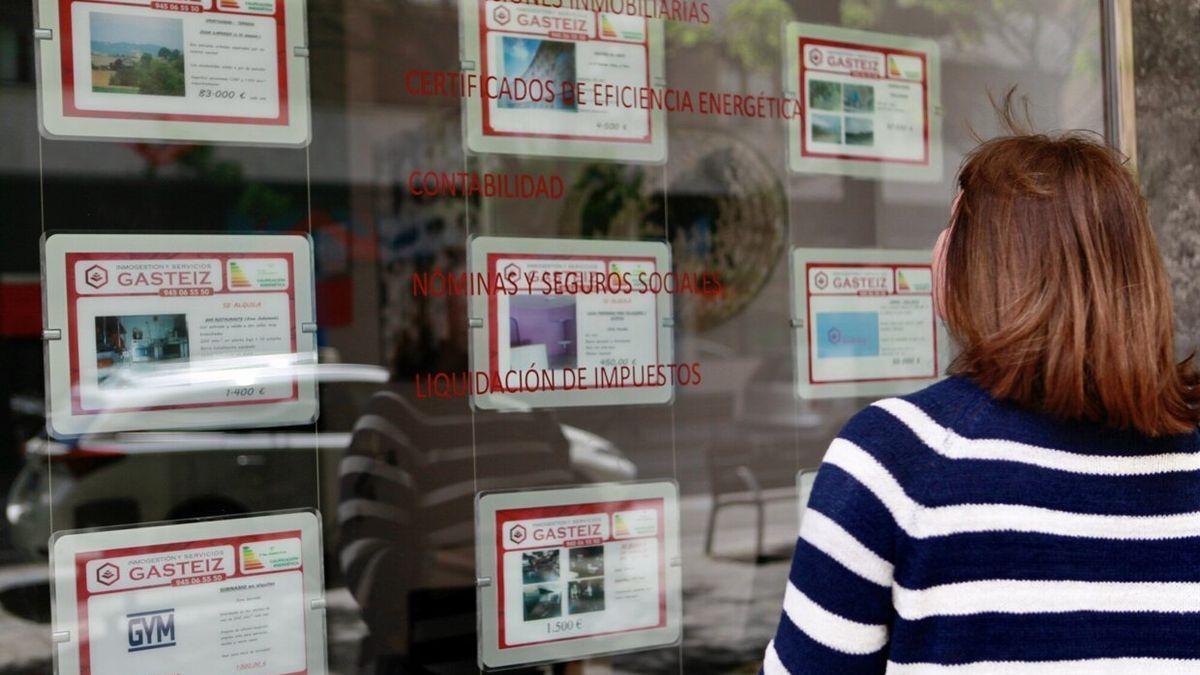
(250,561)
(606,27)
(237,276)
(620,526)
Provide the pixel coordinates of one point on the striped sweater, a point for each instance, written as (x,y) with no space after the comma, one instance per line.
(950,533)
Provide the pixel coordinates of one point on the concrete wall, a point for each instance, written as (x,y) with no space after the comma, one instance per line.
(1166,63)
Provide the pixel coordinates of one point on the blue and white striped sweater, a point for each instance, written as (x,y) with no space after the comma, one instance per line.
(950,533)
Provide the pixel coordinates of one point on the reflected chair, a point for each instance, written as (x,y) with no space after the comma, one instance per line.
(751,478)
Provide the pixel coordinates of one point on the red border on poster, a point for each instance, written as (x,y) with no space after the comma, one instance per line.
(804,149)
(493,310)
(811,327)
(82,594)
(67,44)
(489,130)
(507,515)
(73,296)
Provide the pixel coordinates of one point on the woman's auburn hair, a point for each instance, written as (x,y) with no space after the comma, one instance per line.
(1055,290)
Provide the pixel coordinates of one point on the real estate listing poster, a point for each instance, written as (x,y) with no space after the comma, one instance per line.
(178,331)
(871,103)
(578,572)
(231,71)
(528,59)
(198,598)
(865,322)
(576,319)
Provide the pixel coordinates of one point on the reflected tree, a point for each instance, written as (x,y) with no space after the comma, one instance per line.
(1037,34)
(749,37)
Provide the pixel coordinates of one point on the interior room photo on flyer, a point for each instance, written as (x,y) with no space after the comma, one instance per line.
(599,337)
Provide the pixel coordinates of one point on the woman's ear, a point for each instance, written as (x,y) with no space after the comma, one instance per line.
(939,273)
(939,261)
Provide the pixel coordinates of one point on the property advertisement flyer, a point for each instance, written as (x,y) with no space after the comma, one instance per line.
(865,322)
(575,315)
(529,58)
(578,572)
(228,596)
(185,70)
(542,326)
(871,103)
(178,331)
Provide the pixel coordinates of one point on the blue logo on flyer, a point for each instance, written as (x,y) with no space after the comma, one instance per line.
(847,334)
(151,630)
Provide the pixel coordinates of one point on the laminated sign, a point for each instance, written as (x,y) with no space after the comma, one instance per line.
(871,103)
(231,71)
(178,331)
(577,572)
(865,323)
(560,322)
(523,65)
(201,598)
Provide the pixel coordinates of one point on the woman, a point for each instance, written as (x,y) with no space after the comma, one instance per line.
(1039,510)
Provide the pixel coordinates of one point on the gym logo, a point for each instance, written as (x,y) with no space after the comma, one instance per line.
(108,574)
(95,276)
(154,629)
(517,534)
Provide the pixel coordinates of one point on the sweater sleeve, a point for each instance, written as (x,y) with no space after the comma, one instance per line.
(837,607)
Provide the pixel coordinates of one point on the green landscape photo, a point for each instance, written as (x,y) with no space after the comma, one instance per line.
(137,54)
(827,129)
(860,131)
(824,95)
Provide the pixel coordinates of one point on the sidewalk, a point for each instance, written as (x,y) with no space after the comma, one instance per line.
(24,644)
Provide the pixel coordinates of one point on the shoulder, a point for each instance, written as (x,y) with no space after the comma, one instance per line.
(903,434)
(950,403)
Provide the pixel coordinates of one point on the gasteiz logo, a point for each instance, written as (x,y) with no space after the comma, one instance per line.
(518,534)
(821,281)
(502,15)
(151,630)
(95,276)
(816,56)
(108,574)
